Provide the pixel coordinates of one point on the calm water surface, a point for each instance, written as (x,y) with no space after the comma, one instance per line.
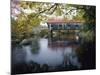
(54,54)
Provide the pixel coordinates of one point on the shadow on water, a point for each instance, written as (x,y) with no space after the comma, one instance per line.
(51,54)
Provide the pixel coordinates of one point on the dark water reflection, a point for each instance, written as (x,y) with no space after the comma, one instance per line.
(54,55)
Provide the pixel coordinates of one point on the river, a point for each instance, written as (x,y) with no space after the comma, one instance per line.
(46,55)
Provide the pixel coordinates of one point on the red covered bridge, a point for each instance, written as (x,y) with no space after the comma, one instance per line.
(63,24)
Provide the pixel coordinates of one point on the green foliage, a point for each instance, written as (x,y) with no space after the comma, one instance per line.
(59,12)
(23,26)
(88,14)
(44,33)
(79,15)
(88,36)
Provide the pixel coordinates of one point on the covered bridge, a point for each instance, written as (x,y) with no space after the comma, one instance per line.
(62,24)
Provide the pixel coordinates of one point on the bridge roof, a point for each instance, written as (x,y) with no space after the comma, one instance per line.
(63,21)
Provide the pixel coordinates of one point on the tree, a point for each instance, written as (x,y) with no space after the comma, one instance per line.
(41,12)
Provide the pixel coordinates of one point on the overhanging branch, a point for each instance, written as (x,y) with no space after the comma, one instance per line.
(53,6)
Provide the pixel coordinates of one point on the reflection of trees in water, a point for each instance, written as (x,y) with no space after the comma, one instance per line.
(68,47)
(18,56)
(19,52)
(63,36)
(62,43)
(71,58)
(35,45)
(31,66)
(67,43)
(87,55)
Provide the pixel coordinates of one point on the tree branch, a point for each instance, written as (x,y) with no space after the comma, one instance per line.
(70,11)
(55,5)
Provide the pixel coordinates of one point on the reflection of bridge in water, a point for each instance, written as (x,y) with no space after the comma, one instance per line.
(68,49)
(63,44)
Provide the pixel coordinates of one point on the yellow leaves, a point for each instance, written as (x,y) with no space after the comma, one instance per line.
(58,12)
